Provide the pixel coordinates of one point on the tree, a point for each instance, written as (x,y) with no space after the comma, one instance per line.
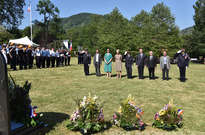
(112,32)
(199,29)
(11,12)
(166,33)
(50,12)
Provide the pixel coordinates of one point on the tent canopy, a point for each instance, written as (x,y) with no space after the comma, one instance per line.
(23,41)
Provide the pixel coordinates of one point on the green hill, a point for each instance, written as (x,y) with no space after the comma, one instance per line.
(81,19)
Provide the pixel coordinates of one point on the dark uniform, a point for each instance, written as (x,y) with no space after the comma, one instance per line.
(13,58)
(47,58)
(30,58)
(128,65)
(151,64)
(182,62)
(86,62)
(140,62)
(25,58)
(69,57)
(21,59)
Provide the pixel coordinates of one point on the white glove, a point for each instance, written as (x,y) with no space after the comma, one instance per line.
(179,51)
(125,53)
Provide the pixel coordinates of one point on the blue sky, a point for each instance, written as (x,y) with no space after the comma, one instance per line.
(181,9)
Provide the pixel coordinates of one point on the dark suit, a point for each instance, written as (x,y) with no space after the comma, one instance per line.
(97,64)
(182,62)
(140,62)
(20,59)
(86,62)
(128,65)
(151,64)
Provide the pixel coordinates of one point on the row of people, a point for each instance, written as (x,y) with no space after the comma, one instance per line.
(141,61)
(24,57)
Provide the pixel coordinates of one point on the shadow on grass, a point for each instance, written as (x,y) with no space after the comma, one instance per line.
(50,119)
(115,75)
(182,80)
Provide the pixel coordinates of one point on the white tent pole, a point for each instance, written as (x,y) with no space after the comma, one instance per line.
(31,21)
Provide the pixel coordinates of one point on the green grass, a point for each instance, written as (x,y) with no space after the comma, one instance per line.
(54,90)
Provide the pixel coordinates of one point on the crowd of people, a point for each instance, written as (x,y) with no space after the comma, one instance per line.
(24,56)
(141,60)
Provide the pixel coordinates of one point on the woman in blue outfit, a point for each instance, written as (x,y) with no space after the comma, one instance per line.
(108,63)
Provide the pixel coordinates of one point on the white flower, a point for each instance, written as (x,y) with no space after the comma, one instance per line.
(95,97)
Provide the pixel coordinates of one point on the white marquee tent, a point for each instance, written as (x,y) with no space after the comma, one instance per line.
(23,41)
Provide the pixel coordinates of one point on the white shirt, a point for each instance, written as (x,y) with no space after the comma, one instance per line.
(97,57)
(165,59)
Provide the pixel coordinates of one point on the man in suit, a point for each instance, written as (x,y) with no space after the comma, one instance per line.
(151,64)
(21,62)
(69,56)
(165,65)
(140,62)
(182,62)
(86,62)
(128,64)
(97,61)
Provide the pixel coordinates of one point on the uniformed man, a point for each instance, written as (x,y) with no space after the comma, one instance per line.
(86,62)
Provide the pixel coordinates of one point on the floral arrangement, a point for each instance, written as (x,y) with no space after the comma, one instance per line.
(88,117)
(129,116)
(20,104)
(169,118)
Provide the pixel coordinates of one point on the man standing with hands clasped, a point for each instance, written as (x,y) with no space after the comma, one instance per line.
(140,62)
(151,64)
(165,65)
(86,62)
(97,61)
(182,62)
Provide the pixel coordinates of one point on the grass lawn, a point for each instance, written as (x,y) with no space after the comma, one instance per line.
(54,90)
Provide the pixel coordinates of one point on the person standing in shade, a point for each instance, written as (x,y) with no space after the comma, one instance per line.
(108,63)
(43,57)
(118,63)
(86,62)
(30,57)
(66,57)
(57,58)
(48,58)
(165,65)
(97,61)
(21,61)
(38,57)
(53,57)
(25,57)
(128,64)
(151,64)
(69,57)
(182,62)
(13,57)
(140,62)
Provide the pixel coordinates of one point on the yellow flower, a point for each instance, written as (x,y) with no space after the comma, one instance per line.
(162,112)
(120,109)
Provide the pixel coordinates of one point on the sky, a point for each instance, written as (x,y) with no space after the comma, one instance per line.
(182,10)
